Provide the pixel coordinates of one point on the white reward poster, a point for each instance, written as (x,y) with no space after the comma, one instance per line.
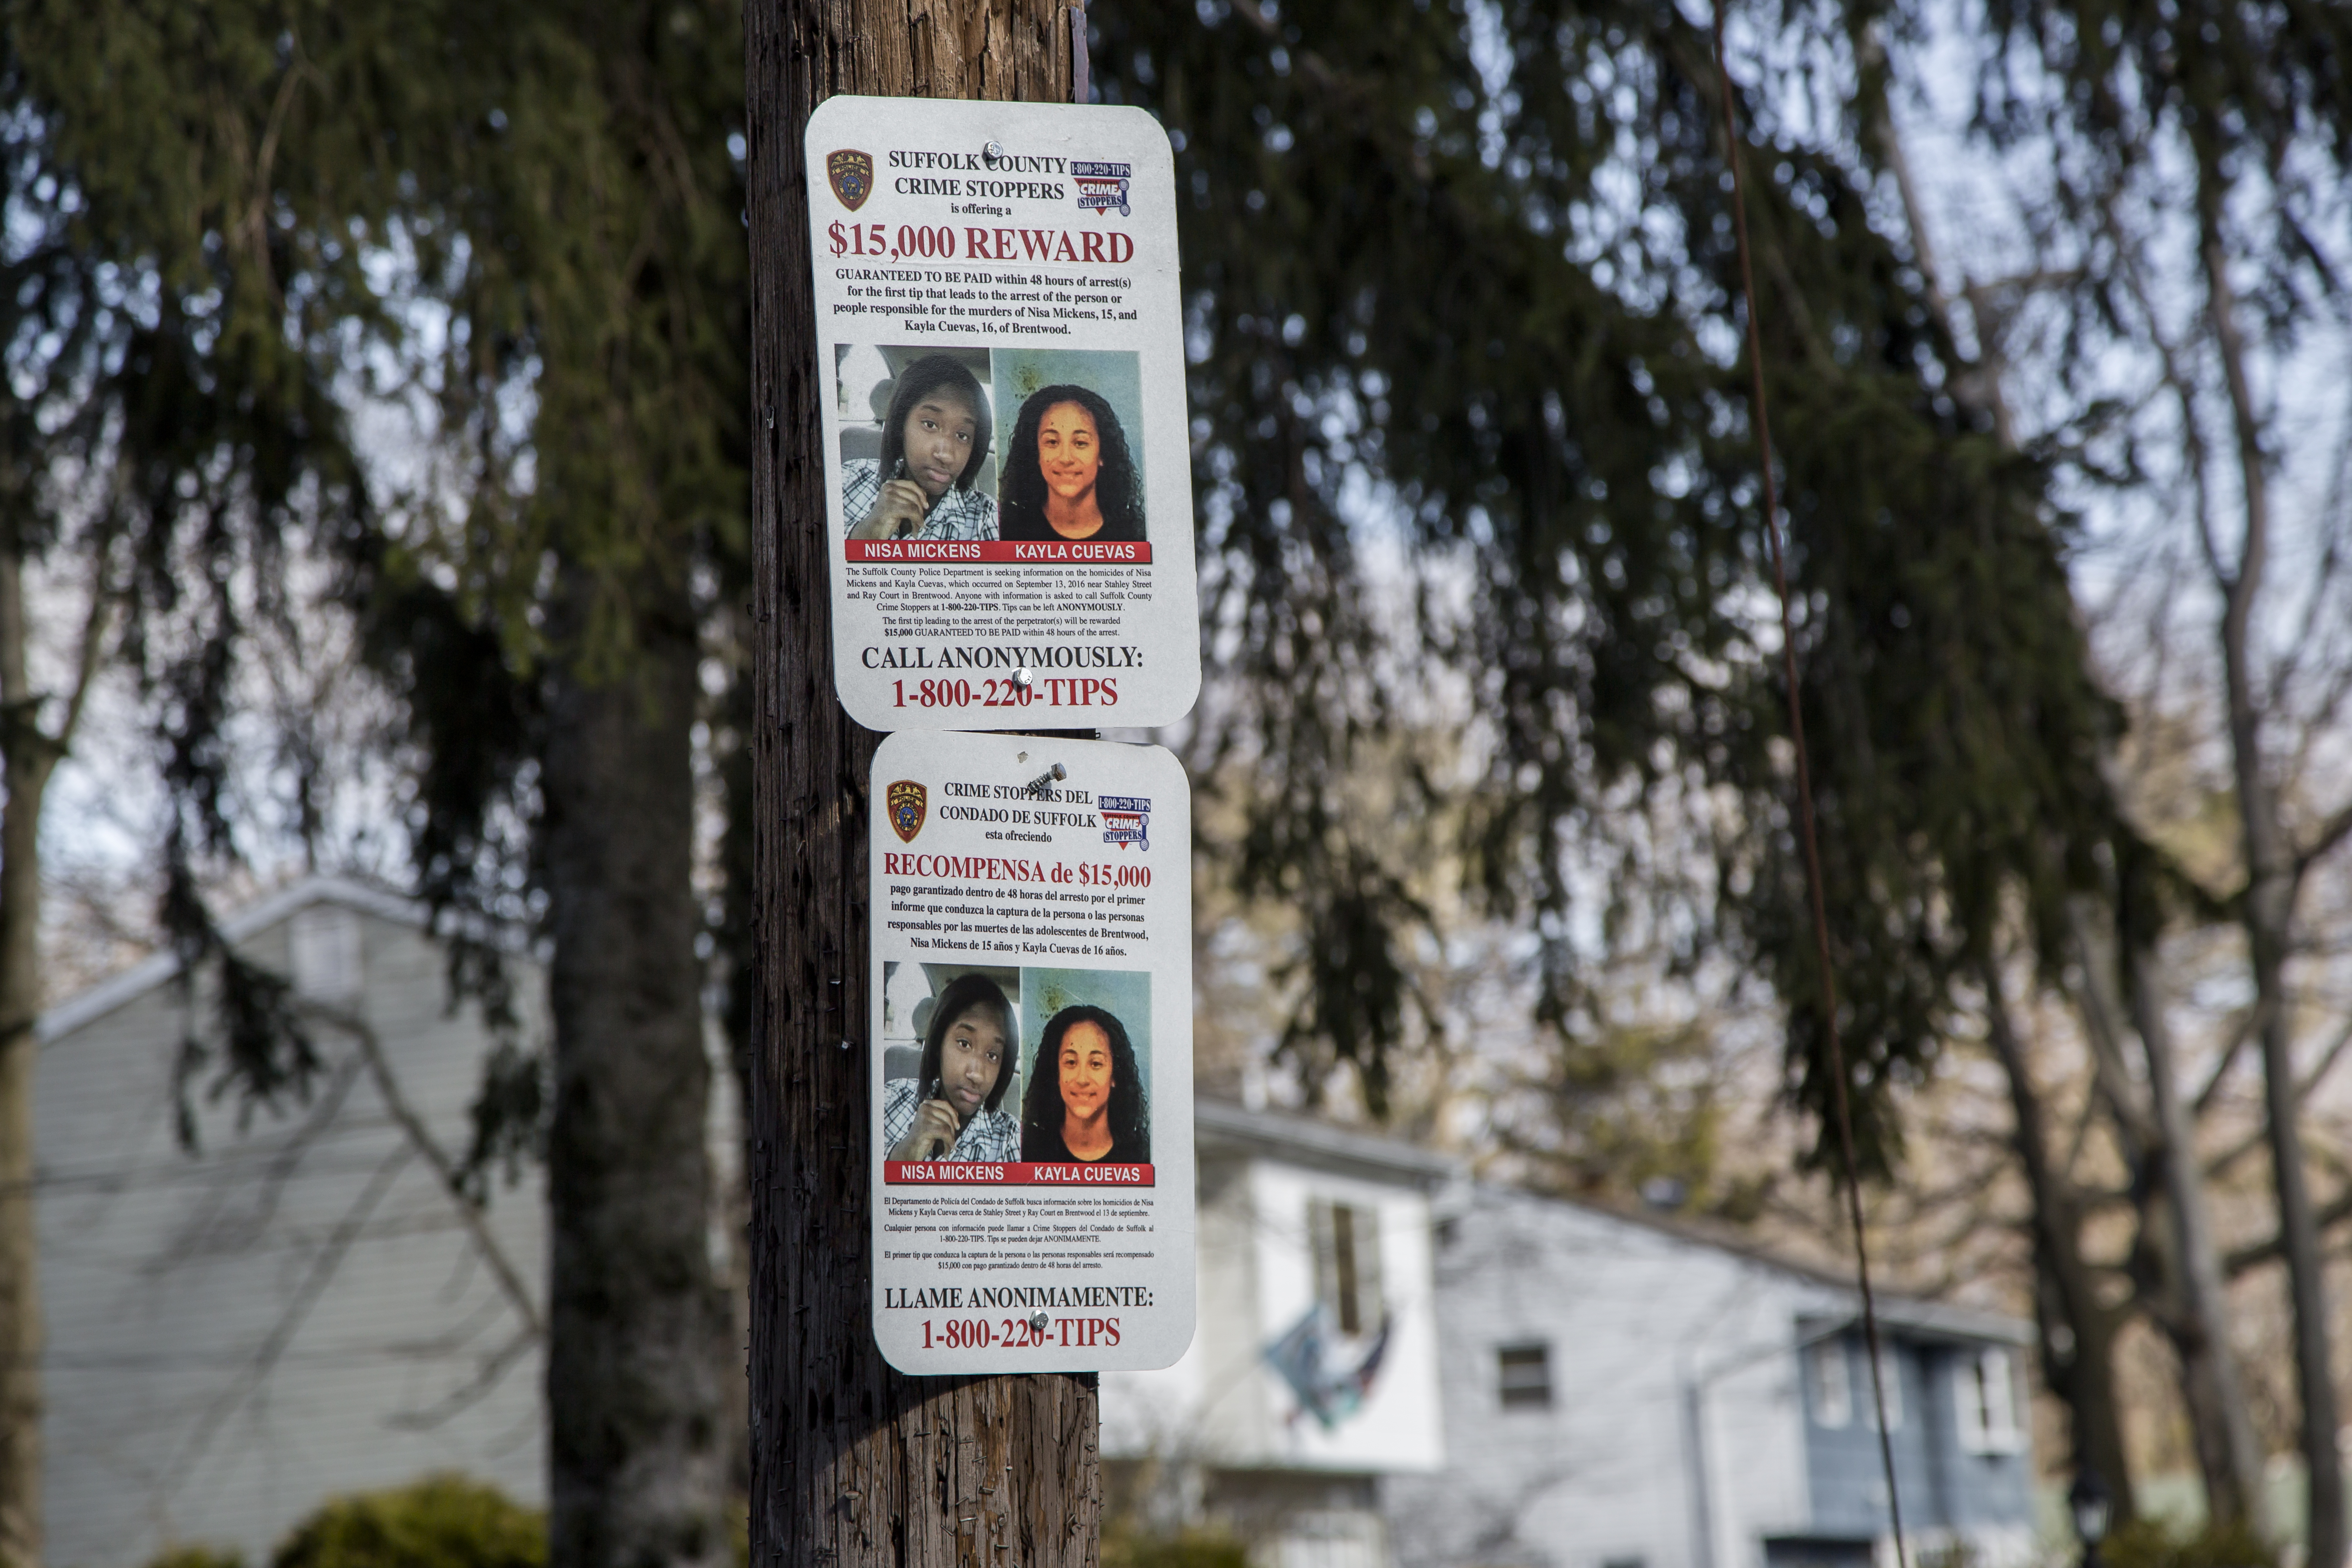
(1032,1042)
(1001,370)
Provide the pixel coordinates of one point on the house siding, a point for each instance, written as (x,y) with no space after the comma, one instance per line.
(1660,1355)
(1218,1439)
(292,1310)
(1849,1482)
(1681,1433)
(1945,1489)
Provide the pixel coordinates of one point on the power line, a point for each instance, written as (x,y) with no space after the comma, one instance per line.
(1805,797)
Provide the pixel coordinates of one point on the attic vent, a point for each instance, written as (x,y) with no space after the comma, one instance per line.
(324,943)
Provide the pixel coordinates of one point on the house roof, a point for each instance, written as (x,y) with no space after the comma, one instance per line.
(128,985)
(1917,1316)
(1306,1141)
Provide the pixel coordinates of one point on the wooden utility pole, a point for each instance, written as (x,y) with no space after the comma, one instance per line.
(853,1463)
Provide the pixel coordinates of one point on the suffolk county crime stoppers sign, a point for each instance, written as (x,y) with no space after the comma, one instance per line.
(1001,373)
(1032,1042)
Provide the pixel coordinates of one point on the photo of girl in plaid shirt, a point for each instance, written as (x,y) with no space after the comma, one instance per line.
(935,441)
(950,1109)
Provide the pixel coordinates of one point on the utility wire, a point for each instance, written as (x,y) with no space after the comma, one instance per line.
(1805,797)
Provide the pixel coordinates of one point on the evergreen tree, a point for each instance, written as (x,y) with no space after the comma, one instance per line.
(1495,281)
(172,341)
(1481,268)
(533,212)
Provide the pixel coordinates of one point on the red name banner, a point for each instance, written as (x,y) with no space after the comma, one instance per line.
(1014,1173)
(1049,552)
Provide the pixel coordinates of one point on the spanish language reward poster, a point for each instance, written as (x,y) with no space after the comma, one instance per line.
(1032,1042)
(1002,375)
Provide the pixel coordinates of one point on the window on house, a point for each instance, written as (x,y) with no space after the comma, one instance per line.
(1330,1537)
(1890,1368)
(1523,1374)
(1829,1383)
(1988,1401)
(324,949)
(1347,1239)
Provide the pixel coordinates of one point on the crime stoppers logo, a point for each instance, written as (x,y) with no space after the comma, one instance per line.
(1125,819)
(1103,187)
(851,175)
(906,800)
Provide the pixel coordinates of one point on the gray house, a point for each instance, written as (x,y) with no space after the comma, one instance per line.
(1622,1390)
(299,1307)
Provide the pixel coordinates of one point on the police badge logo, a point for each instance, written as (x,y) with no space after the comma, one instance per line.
(851,175)
(906,800)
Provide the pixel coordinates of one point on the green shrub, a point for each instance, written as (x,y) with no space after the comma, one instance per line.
(2153,1544)
(442,1521)
(196,1557)
(1123,1548)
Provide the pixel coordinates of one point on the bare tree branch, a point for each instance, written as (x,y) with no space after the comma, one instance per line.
(2103,1021)
(480,1386)
(2244,1259)
(314,1284)
(97,622)
(2303,1093)
(2331,832)
(2183,386)
(2244,1030)
(2308,635)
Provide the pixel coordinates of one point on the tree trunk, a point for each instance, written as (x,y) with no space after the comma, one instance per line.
(2078,1329)
(853,1463)
(2180,1280)
(2084,1378)
(637,1327)
(29,757)
(2269,915)
(2224,1433)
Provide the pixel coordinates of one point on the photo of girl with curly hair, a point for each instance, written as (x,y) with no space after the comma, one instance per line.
(1069,471)
(1086,1099)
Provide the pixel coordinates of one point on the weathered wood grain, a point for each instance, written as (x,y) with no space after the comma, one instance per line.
(851,1462)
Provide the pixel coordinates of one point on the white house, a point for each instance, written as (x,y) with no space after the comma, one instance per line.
(1561,1385)
(299,1307)
(1306,1233)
